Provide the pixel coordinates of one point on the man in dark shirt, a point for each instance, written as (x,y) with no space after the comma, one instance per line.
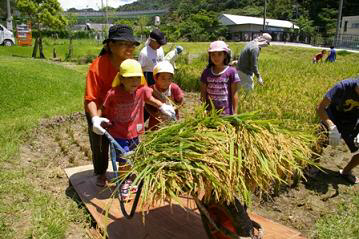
(339,112)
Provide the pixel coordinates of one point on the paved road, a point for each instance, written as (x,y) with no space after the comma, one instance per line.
(308,46)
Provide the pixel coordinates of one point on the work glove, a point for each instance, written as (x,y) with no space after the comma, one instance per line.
(356,141)
(334,135)
(96,124)
(260,80)
(168,110)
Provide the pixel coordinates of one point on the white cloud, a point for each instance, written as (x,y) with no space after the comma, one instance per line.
(95,4)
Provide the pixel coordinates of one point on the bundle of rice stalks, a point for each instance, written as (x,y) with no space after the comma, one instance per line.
(224,157)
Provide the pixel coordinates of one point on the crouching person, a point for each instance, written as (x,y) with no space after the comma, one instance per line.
(123,107)
(339,111)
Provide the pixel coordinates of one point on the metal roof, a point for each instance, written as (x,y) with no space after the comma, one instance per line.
(228,19)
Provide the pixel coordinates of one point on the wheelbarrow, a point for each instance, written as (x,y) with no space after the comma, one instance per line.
(219,221)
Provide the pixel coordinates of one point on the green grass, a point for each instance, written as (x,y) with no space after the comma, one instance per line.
(344,223)
(32,89)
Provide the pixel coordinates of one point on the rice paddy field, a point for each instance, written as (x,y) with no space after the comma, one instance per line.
(43,131)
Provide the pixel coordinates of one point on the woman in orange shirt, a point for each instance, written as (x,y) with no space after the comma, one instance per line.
(118,47)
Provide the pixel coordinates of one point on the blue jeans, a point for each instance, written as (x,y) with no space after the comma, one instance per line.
(128,145)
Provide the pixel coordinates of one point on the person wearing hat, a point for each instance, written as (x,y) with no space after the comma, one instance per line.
(164,90)
(219,81)
(151,54)
(173,54)
(118,47)
(123,110)
(339,113)
(248,61)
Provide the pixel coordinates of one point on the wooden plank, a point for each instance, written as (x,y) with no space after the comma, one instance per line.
(160,222)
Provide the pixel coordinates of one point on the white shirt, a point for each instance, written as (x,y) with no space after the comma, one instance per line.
(149,57)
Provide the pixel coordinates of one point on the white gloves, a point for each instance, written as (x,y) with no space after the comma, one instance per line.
(334,136)
(96,124)
(260,80)
(356,141)
(168,110)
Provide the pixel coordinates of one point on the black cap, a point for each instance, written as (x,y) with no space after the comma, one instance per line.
(121,32)
(158,36)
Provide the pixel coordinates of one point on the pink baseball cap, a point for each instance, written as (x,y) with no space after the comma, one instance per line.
(218,46)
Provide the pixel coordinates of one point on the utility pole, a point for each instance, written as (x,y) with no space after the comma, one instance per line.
(339,21)
(265,14)
(106,13)
(9,17)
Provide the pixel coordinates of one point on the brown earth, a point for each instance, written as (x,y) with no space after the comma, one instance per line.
(62,142)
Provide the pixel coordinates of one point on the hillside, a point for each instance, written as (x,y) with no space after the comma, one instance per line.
(309,14)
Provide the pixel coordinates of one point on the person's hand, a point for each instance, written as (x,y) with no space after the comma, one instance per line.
(334,135)
(96,124)
(356,140)
(260,80)
(233,63)
(168,110)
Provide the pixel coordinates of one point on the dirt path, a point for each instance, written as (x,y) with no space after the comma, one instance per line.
(63,142)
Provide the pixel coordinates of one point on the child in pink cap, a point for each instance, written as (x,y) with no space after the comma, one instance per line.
(219,81)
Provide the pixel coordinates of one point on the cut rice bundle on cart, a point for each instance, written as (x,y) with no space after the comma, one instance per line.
(224,157)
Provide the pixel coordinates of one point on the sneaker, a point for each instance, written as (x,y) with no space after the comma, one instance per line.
(133,188)
(124,191)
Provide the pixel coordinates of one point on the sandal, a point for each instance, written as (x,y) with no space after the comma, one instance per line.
(101,180)
(350,178)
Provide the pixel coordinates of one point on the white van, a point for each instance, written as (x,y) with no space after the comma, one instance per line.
(6,36)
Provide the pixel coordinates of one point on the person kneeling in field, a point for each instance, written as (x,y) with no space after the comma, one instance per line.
(319,57)
(339,112)
(164,90)
(123,107)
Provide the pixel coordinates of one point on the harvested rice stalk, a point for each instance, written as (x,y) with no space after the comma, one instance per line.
(226,157)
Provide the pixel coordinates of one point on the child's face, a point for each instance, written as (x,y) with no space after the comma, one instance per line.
(217,57)
(131,83)
(163,80)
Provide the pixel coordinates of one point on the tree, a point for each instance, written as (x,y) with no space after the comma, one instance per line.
(42,14)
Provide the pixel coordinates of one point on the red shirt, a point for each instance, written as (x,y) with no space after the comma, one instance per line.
(99,79)
(176,95)
(319,56)
(125,111)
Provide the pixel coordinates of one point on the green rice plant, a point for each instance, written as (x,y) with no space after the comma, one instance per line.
(223,157)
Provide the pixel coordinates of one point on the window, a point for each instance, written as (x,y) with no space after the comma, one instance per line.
(355,25)
(345,26)
(1,29)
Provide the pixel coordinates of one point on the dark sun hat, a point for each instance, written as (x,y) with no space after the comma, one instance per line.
(158,36)
(121,32)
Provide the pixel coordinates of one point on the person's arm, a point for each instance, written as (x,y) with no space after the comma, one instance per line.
(203,92)
(234,96)
(154,102)
(322,113)
(91,108)
(254,61)
(164,108)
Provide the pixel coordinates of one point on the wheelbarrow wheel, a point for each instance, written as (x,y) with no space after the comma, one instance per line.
(228,221)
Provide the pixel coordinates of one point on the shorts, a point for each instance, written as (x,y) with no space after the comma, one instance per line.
(246,81)
(348,128)
(128,145)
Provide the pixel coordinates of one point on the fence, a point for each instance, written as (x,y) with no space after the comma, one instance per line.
(343,41)
(276,36)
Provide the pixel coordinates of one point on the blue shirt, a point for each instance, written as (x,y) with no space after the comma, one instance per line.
(344,99)
(332,55)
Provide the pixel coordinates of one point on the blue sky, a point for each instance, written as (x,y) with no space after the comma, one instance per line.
(95,4)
